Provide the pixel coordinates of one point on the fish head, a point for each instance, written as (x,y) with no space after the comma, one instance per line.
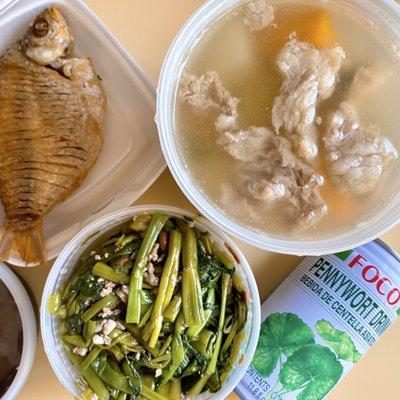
(48,38)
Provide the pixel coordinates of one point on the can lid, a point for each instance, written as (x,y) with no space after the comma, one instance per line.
(25,309)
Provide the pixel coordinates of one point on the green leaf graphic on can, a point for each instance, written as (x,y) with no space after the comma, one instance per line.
(344,254)
(313,368)
(340,342)
(281,334)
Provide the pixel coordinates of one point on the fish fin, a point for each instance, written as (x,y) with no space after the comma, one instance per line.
(29,244)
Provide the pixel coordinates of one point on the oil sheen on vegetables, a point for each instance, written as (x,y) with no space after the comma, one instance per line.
(245,61)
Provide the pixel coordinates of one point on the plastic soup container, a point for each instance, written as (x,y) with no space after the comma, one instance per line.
(67,261)
(386,15)
(323,318)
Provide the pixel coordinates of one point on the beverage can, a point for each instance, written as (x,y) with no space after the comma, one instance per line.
(321,320)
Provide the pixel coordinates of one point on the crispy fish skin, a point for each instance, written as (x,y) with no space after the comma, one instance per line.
(51,122)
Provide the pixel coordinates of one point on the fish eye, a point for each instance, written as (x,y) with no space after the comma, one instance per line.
(40,27)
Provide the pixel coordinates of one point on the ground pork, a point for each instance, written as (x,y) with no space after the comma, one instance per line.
(357,155)
(309,76)
(258,15)
(149,275)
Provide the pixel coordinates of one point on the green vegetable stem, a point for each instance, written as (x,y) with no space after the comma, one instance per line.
(110,301)
(104,271)
(194,331)
(192,301)
(167,285)
(178,351)
(134,306)
(212,366)
(174,307)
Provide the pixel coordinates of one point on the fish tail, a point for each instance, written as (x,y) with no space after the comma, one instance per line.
(27,243)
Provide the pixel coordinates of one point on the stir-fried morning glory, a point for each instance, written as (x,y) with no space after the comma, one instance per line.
(155,311)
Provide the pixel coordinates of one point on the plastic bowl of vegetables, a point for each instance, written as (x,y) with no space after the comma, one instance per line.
(150,302)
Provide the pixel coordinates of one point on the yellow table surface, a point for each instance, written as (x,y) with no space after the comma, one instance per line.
(146,28)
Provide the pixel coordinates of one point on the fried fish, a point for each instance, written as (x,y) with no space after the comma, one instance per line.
(52,110)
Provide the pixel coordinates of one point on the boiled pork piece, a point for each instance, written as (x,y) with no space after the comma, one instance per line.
(259,14)
(357,155)
(309,76)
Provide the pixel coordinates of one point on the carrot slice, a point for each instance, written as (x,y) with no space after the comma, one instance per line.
(316,28)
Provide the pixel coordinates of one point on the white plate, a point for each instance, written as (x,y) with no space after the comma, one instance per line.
(131,158)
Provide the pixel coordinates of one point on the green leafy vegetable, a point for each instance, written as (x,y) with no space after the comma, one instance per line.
(340,342)
(88,288)
(210,269)
(313,368)
(133,376)
(75,325)
(281,334)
